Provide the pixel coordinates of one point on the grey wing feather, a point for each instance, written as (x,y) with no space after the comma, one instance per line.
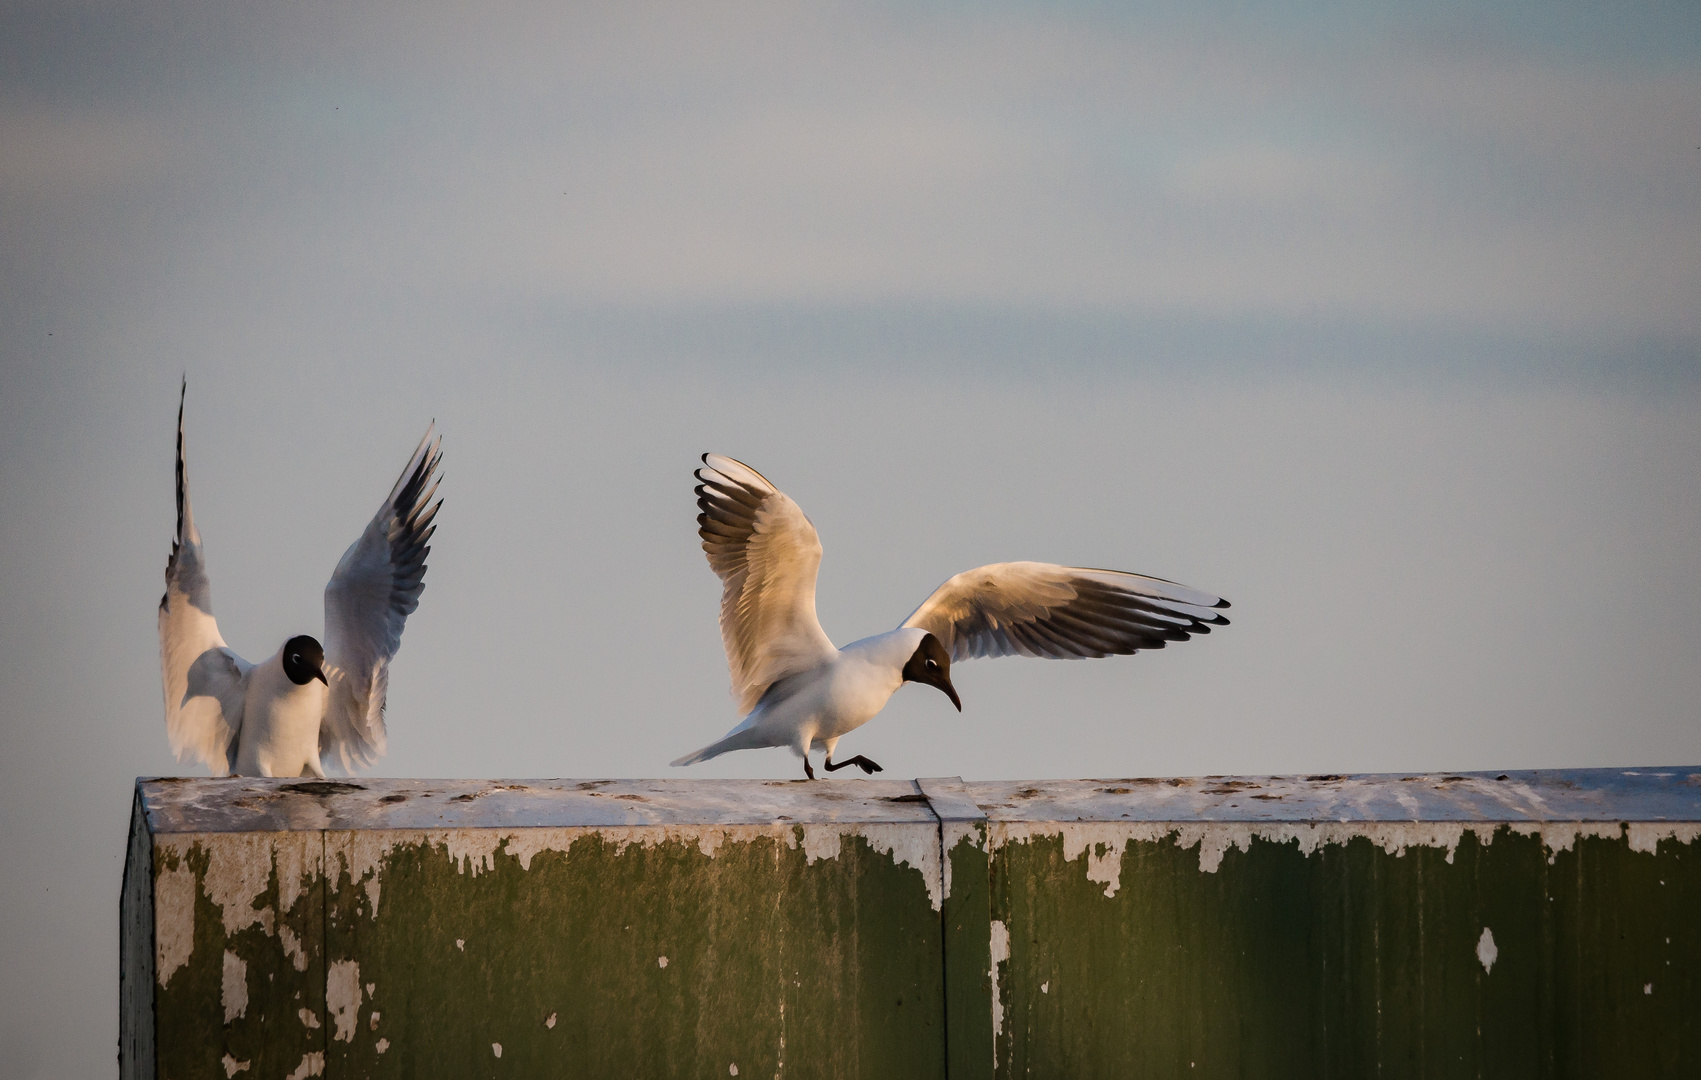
(1062,612)
(204,680)
(766,552)
(375,588)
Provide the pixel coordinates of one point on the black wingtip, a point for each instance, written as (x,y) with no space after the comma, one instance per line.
(1222,604)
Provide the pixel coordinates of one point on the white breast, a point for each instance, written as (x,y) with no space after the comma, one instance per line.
(280,724)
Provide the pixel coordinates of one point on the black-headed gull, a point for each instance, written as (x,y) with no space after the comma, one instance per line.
(277,717)
(799,691)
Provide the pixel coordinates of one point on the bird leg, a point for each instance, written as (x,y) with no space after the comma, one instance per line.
(859,761)
(808,771)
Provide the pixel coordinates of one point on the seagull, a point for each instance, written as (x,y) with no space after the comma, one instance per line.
(307,700)
(797,690)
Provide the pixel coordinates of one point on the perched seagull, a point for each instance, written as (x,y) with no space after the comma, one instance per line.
(799,691)
(277,717)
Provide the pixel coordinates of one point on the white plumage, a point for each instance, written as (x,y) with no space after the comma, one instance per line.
(281,717)
(799,691)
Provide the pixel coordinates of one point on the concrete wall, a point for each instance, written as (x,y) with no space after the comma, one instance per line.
(1539,924)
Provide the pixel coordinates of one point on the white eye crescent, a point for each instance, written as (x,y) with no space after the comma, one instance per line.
(933,664)
(295,658)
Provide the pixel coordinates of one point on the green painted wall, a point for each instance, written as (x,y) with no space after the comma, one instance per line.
(1352,962)
(861,929)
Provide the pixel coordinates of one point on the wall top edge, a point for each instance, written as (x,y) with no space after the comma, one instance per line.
(251,804)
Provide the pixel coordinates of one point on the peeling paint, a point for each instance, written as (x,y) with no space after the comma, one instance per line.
(1487,953)
(952,833)
(342,997)
(1104,842)
(233,1066)
(292,948)
(308,1019)
(361,855)
(549,1022)
(661,961)
(174,919)
(312,1064)
(496,1048)
(1646,835)
(1000,954)
(382,1045)
(908,845)
(235,989)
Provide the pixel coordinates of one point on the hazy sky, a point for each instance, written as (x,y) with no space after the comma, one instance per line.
(1382,322)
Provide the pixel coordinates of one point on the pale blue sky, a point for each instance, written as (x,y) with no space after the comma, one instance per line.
(1381,323)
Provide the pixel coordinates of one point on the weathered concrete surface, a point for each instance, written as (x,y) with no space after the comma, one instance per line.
(1522,924)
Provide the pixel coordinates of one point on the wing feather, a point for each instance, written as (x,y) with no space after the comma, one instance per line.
(766,553)
(1062,612)
(376,586)
(204,680)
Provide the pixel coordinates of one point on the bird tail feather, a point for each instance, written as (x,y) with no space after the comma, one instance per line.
(740,738)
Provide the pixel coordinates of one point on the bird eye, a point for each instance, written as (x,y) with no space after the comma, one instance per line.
(933,664)
(295,658)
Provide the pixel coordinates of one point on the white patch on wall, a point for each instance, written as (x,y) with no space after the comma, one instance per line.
(1645,836)
(1104,842)
(311,1065)
(292,948)
(496,1048)
(235,986)
(174,919)
(342,997)
(382,1045)
(550,1021)
(308,1019)
(1487,953)
(661,961)
(1000,954)
(362,854)
(233,1066)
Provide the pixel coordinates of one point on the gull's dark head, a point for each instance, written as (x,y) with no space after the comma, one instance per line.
(931,664)
(304,660)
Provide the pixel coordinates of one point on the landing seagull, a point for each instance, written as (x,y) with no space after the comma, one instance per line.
(277,717)
(799,691)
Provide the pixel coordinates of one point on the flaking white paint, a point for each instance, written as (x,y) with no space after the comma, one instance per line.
(308,1019)
(311,1065)
(235,987)
(1000,954)
(292,948)
(1645,836)
(174,919)
(361,855)
(1104,842)
(233,1066)
(1487,952)
(342,997)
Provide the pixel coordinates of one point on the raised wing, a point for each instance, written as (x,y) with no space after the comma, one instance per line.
(1062,612)
(375,588)
(766,554)
(204,681)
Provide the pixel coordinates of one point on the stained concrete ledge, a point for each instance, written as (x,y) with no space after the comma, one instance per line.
(1536,923)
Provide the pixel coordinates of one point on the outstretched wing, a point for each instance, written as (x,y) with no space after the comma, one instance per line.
(375,588)
(204,680)
(1062,612)
(766,554)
